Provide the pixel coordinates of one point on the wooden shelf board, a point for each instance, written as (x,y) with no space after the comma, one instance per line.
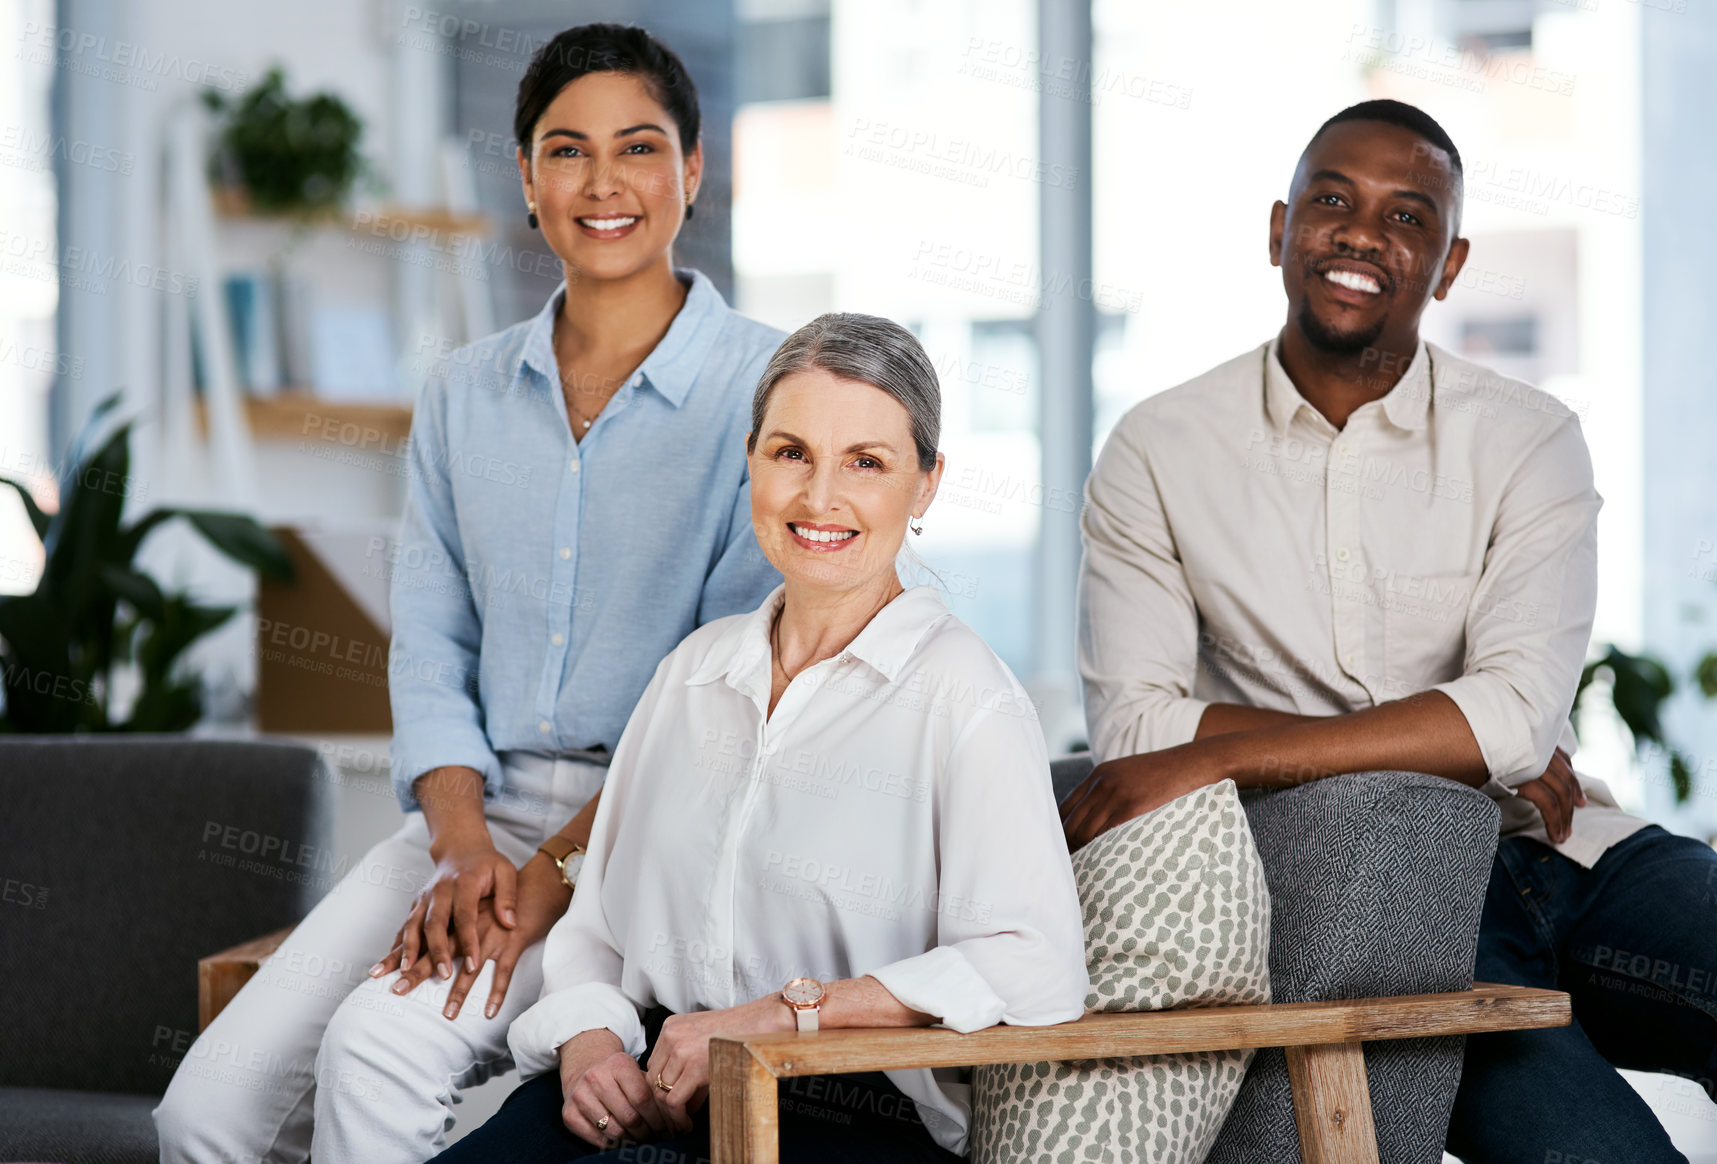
(386,221)
(395,223)
(299,414)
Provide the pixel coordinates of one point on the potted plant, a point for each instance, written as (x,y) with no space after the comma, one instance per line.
(94,609)
(286,156)
(1638,686)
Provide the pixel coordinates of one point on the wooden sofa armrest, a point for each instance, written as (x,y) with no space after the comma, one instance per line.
(219,976)
(1324,1042)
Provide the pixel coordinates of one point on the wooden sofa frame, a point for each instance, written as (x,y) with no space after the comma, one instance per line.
(1324,1042)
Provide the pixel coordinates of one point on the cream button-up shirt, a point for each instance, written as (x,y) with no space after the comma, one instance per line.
(893,817)
(1241,549)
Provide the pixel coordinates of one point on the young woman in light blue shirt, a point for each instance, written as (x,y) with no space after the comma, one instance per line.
(578,503)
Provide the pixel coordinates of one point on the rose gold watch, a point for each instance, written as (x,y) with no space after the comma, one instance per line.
(804,996)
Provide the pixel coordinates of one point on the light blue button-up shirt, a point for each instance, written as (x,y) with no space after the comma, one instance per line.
(540,580)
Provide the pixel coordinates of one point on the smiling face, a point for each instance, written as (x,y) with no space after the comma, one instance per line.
(608,177)
(1367,236)
(834,479)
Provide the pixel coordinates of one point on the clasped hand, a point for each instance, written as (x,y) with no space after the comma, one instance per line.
(609,1097)
(495,912)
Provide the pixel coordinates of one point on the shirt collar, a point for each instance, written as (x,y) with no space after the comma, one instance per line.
(1409,402)
(674,363)
(1406,405)
(1281,399)
(741,654)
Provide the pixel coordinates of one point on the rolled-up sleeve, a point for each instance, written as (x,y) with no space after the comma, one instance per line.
(1530,619)
(583,959)
(1138,623)
(536,1036)
(433,660)
(1010,937)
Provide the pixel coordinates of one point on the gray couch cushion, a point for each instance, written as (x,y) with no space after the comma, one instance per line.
(80,1127)
(1066,773)
(1376,884)
(142,855)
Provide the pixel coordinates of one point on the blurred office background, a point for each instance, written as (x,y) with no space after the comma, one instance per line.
(1068,203)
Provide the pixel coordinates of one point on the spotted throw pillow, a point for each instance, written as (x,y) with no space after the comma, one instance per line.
(1176,915)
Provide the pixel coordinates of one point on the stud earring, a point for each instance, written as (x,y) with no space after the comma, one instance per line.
(532,216)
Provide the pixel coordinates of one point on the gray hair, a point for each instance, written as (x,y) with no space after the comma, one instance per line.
(871,350)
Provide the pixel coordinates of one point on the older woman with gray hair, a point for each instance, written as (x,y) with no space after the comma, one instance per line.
(834,811)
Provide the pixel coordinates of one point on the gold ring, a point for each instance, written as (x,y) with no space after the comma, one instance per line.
(663,1086)
(602,1124)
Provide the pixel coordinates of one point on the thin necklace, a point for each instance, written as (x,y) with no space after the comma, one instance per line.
(554,341)
(775,630)
(775,642)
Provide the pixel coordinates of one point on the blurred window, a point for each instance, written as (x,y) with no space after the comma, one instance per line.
(30,359)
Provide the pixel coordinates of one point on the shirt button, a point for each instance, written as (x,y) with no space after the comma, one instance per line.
(557,638)
(1347,661)
(565,553)
(1343,554)
(545,727)
(575,466)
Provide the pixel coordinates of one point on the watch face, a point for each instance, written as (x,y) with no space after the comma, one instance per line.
(571,866)
(803,992)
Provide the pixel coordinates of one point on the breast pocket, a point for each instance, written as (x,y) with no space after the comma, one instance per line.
(1424,629)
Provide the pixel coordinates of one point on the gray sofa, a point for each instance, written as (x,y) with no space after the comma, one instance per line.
(114,860)
(1376,885)
(113,857)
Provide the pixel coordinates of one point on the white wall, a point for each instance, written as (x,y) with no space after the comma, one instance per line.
(29,353)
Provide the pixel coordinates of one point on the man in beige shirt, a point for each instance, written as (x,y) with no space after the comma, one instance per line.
(1349,550)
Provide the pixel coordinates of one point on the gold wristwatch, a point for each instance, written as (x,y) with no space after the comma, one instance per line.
(567,855)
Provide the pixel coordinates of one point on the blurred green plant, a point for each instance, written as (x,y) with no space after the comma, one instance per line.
(288,155)
(93,609)
(1706,675)
(1638,687)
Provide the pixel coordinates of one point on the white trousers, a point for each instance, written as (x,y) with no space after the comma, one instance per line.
(314,1057)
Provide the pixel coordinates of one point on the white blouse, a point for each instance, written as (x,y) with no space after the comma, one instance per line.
(893,817)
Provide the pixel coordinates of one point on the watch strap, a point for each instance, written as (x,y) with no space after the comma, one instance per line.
(805,1014)
(559,848)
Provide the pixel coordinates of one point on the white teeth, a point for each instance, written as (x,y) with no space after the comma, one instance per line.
(607,223)
(1354,281)
(819,535)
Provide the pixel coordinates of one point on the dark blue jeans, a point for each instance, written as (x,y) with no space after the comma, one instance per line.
(837,1119)
(1633,940)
